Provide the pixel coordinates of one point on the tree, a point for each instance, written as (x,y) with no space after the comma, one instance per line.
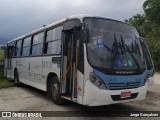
(148,25)
(152,10)
(138,22)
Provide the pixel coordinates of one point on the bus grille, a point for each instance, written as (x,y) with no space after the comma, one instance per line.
(125,85)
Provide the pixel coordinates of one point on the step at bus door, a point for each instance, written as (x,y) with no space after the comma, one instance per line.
(69,63)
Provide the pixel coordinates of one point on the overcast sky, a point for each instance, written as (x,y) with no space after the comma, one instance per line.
(18,17)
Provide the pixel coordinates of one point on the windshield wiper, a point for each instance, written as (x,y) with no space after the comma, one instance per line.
(130,53)
(114,50)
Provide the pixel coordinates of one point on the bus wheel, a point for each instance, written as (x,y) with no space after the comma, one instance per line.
(16,79)
(54,91)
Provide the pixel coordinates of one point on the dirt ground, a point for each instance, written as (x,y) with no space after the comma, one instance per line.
(27,98)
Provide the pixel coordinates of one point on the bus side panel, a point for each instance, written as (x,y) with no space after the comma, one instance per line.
(30,71)
(51,64)
(35,68)
(13,67)
(8,71)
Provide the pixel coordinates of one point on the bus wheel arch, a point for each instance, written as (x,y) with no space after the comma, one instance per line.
(52,85)
(49,78)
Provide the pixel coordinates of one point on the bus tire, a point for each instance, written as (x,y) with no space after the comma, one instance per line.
(54,91)
(16,79)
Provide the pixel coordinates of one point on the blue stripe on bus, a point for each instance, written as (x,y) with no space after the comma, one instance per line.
(115,82)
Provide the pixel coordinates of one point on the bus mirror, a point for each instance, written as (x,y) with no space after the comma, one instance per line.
(85,35)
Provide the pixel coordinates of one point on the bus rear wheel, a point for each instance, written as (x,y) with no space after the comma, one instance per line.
(16,79)
(54,91)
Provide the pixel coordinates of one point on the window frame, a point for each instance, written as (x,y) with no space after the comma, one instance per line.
(31,48)
(26,46)
(15,50)
(45,47)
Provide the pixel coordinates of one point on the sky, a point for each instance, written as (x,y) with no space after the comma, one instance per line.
(18,17)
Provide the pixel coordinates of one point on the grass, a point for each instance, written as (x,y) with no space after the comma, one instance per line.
(4,82)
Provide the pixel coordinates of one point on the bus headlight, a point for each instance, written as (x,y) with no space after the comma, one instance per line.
(96,81)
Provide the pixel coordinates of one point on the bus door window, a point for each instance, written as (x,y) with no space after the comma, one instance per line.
(69,54)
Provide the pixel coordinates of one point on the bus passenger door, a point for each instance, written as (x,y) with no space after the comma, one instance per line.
(10,50)
(69,63)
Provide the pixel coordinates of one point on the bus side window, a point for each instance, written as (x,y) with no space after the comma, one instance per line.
(53,41)
(26,46)
(18,48)
(37,44)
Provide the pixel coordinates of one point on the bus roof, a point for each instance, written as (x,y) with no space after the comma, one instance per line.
(79,16)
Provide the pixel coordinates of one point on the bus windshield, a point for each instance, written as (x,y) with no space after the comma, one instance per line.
(113,45)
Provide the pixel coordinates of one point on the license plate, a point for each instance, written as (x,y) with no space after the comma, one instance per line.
(126,94)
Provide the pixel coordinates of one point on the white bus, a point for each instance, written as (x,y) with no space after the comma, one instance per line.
(85,59)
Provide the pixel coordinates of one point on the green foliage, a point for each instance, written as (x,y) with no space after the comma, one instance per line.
(152,10)
(1,54)
(156,56)
(138,21)
(4,82)
(148,25)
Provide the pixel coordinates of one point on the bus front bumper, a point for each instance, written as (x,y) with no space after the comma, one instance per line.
(93,96)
